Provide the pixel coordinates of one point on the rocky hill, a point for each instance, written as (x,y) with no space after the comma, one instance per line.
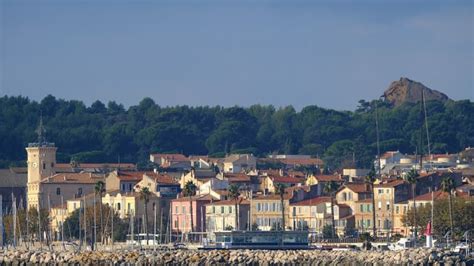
(406,90)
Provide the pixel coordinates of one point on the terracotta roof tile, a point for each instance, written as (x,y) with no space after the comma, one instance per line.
(358,188)
(79,178)
(312,201)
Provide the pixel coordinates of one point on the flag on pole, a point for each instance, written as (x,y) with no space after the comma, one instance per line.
(428,229)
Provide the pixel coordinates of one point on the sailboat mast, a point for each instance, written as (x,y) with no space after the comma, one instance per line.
(378,139)
(429,156)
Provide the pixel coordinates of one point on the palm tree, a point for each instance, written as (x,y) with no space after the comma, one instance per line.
(145,196)
(410,177)
(330,188)
(189,191)
(370,179)
(235,194)
(280,190)
(447,184)
(100,190)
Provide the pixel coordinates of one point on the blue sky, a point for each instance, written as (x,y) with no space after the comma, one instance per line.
(327,53)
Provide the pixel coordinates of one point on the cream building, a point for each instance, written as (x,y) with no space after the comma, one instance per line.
(126,204)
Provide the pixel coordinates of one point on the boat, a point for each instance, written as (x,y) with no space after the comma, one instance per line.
(403,243)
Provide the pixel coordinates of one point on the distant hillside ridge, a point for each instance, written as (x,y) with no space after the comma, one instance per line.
(407,90)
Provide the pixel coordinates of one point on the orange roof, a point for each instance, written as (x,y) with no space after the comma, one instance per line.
(130,176)
(78,178)
(438,195)
(162,178)
(286,179)
(96,165)
(328,178)
(312,202)
(297,174)
(393,183)
(358,187)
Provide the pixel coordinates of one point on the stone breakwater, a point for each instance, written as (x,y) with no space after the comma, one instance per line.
(235,257)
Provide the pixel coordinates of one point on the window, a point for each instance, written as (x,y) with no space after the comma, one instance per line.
(380,205)
(123,187)
(230,209)
(79,191)
(350,195)
(183,210)
(397,209)
(213,209)
(58,191)
(259,207)
(404,209)
(369,207)
(380,191)
(176,210)
(118,206)
(368,222)
(44,166)
(387,191)
(222,209)
(128,206)
(388,206)
(176,224)
(129,187)
(378,222)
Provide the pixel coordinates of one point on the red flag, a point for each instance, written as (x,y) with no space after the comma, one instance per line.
(428,229)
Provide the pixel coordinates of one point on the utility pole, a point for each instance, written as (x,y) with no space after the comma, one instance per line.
(94,239)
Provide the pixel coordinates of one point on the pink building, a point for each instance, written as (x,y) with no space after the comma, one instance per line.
(181,215)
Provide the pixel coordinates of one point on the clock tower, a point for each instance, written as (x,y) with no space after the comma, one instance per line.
(41,163)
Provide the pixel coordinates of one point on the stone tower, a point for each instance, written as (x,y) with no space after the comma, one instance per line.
(41,163)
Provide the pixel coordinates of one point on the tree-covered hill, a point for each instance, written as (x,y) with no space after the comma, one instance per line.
(102,132)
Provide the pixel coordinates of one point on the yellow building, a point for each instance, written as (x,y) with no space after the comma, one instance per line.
(387,196)
(126,204)
(266,211)
(311,214)
(350,193)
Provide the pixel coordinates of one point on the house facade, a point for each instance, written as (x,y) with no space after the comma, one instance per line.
(220,215)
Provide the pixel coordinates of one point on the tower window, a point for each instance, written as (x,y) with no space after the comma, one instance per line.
(44,166)
(58,191)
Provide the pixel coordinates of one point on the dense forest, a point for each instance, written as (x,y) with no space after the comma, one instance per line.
(109,132)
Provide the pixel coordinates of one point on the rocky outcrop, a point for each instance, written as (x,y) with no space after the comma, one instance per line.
(418,256)
(406,90)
